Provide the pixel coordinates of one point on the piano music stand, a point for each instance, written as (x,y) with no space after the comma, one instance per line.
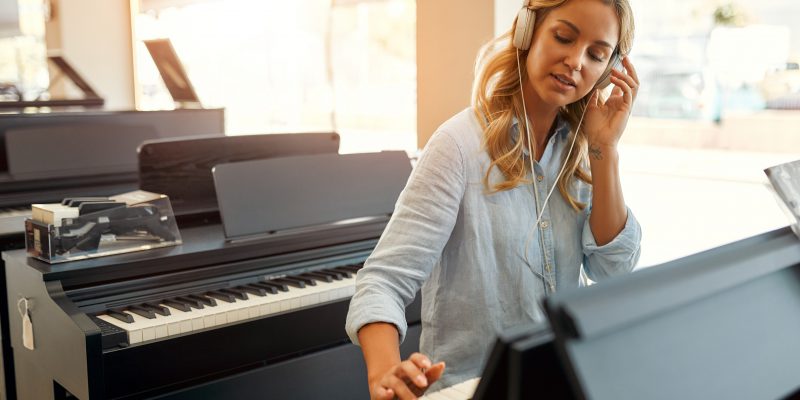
(91,98)
(181,167)
(172,72)
(264,197)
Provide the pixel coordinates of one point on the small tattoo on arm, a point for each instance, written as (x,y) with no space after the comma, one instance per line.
(595,152)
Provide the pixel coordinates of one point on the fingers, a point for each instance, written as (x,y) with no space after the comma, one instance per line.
(627,91)
(393,383)
(414,373)
(435,372)
(382,393)
(629,78)
(408,379)
(626,62)
(420,360)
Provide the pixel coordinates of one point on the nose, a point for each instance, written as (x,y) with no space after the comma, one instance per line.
(573,60)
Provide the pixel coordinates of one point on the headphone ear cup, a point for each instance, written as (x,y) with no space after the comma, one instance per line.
(524,31)
(605,79)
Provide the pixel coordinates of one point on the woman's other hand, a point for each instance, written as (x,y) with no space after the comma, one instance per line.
(407,380)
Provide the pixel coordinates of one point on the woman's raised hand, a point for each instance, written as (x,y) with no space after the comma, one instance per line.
(605,121)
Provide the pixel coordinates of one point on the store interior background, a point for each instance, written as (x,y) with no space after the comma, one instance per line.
(720,97)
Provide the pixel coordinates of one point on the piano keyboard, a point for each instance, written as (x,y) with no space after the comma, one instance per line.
(184,314)
(460,391)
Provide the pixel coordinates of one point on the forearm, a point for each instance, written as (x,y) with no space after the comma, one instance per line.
(380,344)
(609,212)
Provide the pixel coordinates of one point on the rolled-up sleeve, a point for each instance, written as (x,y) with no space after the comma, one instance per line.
(412,242)
(616,257)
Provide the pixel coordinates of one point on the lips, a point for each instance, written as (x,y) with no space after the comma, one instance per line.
(564,79)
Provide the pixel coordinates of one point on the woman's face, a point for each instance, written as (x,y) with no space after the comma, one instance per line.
(570,51)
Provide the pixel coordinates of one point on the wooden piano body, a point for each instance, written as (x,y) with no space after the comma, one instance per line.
(45,157)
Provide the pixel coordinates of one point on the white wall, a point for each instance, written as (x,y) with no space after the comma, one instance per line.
(95,37)
(504,13)
(449,35)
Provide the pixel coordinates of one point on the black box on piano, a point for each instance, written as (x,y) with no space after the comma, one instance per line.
(132,221)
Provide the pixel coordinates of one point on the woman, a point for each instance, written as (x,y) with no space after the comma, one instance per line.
(484,237)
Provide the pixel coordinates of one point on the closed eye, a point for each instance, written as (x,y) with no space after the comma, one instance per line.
(562,39)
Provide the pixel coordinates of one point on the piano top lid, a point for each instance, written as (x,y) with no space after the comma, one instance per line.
(202,246)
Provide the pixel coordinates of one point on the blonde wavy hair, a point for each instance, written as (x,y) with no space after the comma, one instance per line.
(497,100)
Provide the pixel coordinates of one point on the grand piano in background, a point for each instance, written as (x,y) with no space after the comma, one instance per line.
(45,157)
(255,306)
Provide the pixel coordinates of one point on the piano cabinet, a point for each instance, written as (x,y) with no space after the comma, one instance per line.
(306,349)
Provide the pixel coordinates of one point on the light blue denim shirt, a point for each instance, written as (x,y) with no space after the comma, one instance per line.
(465,248)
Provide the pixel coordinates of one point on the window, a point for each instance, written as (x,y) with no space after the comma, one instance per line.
(280,66)
(23,61)
(720,101)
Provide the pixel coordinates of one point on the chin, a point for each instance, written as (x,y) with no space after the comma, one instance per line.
(557,99)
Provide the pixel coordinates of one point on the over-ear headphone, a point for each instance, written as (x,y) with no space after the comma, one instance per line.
(523,34)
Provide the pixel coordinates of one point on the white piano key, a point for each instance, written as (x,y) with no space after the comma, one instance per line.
(461,391)
(134,334)
(439,396)
(180,322)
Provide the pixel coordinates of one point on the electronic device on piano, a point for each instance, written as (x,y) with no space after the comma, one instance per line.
(248,306)
(45,157)
(721,324)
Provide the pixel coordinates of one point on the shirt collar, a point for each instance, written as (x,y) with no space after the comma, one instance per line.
(562,131)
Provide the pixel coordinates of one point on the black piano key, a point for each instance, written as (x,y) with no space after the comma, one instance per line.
(238,293)
(291,282)
(203,299)
(318,276)
(306,280)
(176,304)
(226,297)
(122,316)
(144,312)
(157,308)
(256,290)
(277,285)
(344,272)
(273,289)
(336,274)
(111,335)
(351,268)
(191,302)
(348,268)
